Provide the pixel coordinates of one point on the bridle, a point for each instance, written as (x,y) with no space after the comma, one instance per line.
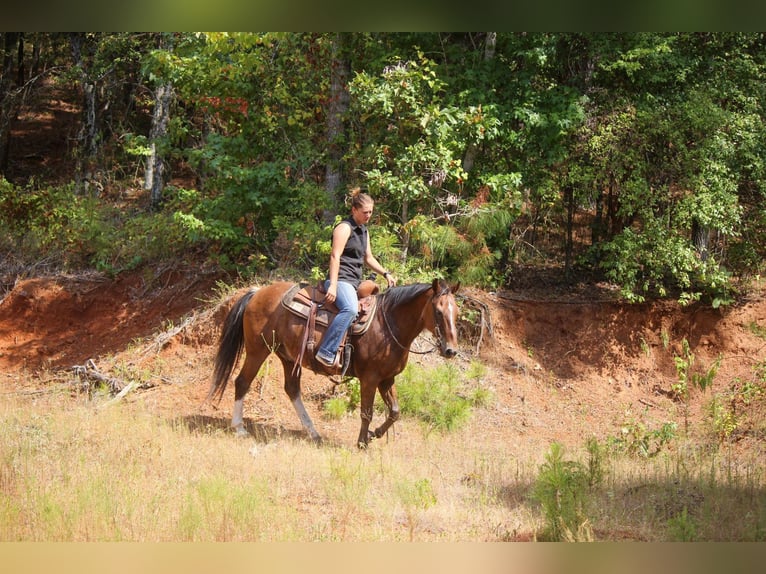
(436,325)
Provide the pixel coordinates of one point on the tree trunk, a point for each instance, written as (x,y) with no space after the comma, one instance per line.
(336,110)
(489,45)
(20,72)
(597,227)
(155,176)
(700,239)
(8,97)
(472,150)
(87,138)
(405,235)
(569,198)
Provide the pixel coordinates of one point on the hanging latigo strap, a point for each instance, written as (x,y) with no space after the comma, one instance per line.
(307,343)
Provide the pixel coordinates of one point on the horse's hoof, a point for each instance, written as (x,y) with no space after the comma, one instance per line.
(241,431)
(364,443)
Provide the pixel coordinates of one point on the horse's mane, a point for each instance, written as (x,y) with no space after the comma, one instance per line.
(398,295)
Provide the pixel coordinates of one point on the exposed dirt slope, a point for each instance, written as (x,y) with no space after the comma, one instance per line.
(561,370)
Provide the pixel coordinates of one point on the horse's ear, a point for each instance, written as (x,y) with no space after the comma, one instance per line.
(435,286)
(455,288)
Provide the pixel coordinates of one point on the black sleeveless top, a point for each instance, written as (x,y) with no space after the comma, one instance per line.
(352,258)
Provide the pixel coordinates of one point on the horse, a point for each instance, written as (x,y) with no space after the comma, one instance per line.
(260,324)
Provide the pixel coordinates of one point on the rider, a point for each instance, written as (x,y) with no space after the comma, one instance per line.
(350,252)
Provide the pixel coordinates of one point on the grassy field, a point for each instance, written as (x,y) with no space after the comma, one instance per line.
(76,467)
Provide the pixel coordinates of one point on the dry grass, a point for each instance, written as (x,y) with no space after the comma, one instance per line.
(70,471)
(74,470)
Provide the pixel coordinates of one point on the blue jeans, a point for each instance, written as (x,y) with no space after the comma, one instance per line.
(348,303)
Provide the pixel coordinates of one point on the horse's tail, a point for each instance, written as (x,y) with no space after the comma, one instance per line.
(230,347)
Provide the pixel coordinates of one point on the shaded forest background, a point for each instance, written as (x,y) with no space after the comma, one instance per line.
(501,159)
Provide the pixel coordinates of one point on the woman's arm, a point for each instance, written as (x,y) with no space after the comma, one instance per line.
(374,264)
(340,236)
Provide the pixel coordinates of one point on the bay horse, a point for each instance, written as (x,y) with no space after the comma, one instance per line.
(261,325)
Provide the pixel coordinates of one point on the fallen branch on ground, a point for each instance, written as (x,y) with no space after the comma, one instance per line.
(90,372)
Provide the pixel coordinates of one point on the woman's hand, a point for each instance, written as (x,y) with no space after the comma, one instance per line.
(332,293)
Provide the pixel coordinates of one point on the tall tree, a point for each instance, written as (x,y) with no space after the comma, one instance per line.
(83,50)
(9,94)
(156,177)
(337,107)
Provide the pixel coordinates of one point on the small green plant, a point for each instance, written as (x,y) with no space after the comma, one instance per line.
(757,330)
(415,496)
(596,454)
(682,527)
(335,408)
(665,337)
(561,488)
(723,416)
(476,371)
(729,410)
(645,348)
(481,397)
(686,373)
(687,376)
(433,397)
(345,402)
(636,440)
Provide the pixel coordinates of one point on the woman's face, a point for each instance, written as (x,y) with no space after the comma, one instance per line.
(362,214)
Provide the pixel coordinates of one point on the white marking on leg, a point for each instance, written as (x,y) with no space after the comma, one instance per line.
(237,419)
(304,417)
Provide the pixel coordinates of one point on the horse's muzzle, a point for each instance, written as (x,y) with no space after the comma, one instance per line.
(449,352)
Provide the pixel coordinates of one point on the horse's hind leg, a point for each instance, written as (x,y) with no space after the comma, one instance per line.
(241,387)
(293,390)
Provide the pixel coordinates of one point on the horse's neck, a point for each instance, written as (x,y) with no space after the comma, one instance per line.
(414,308)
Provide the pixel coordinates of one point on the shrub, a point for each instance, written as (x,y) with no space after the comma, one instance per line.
(561,488)
(345,401)
(432,396)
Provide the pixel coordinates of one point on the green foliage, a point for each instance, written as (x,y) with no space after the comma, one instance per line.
(723,417)
(415,496)
(77,230)
(442,397)
(757,330)
(434,396)
(637,440)
(438,245)
(639,156)
(657,261)
(682,527)
(596,457)
(688,375)
(346,400)
(415,165)
(561,488)
(731,410)
(335,408)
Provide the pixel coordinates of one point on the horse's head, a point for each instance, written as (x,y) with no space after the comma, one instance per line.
(444,315)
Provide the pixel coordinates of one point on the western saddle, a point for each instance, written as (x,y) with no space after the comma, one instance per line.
(307,302)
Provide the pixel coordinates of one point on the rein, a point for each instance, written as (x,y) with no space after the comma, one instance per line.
(393,336)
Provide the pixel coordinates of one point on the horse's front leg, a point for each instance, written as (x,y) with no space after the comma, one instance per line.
(388,392)
(367,398)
